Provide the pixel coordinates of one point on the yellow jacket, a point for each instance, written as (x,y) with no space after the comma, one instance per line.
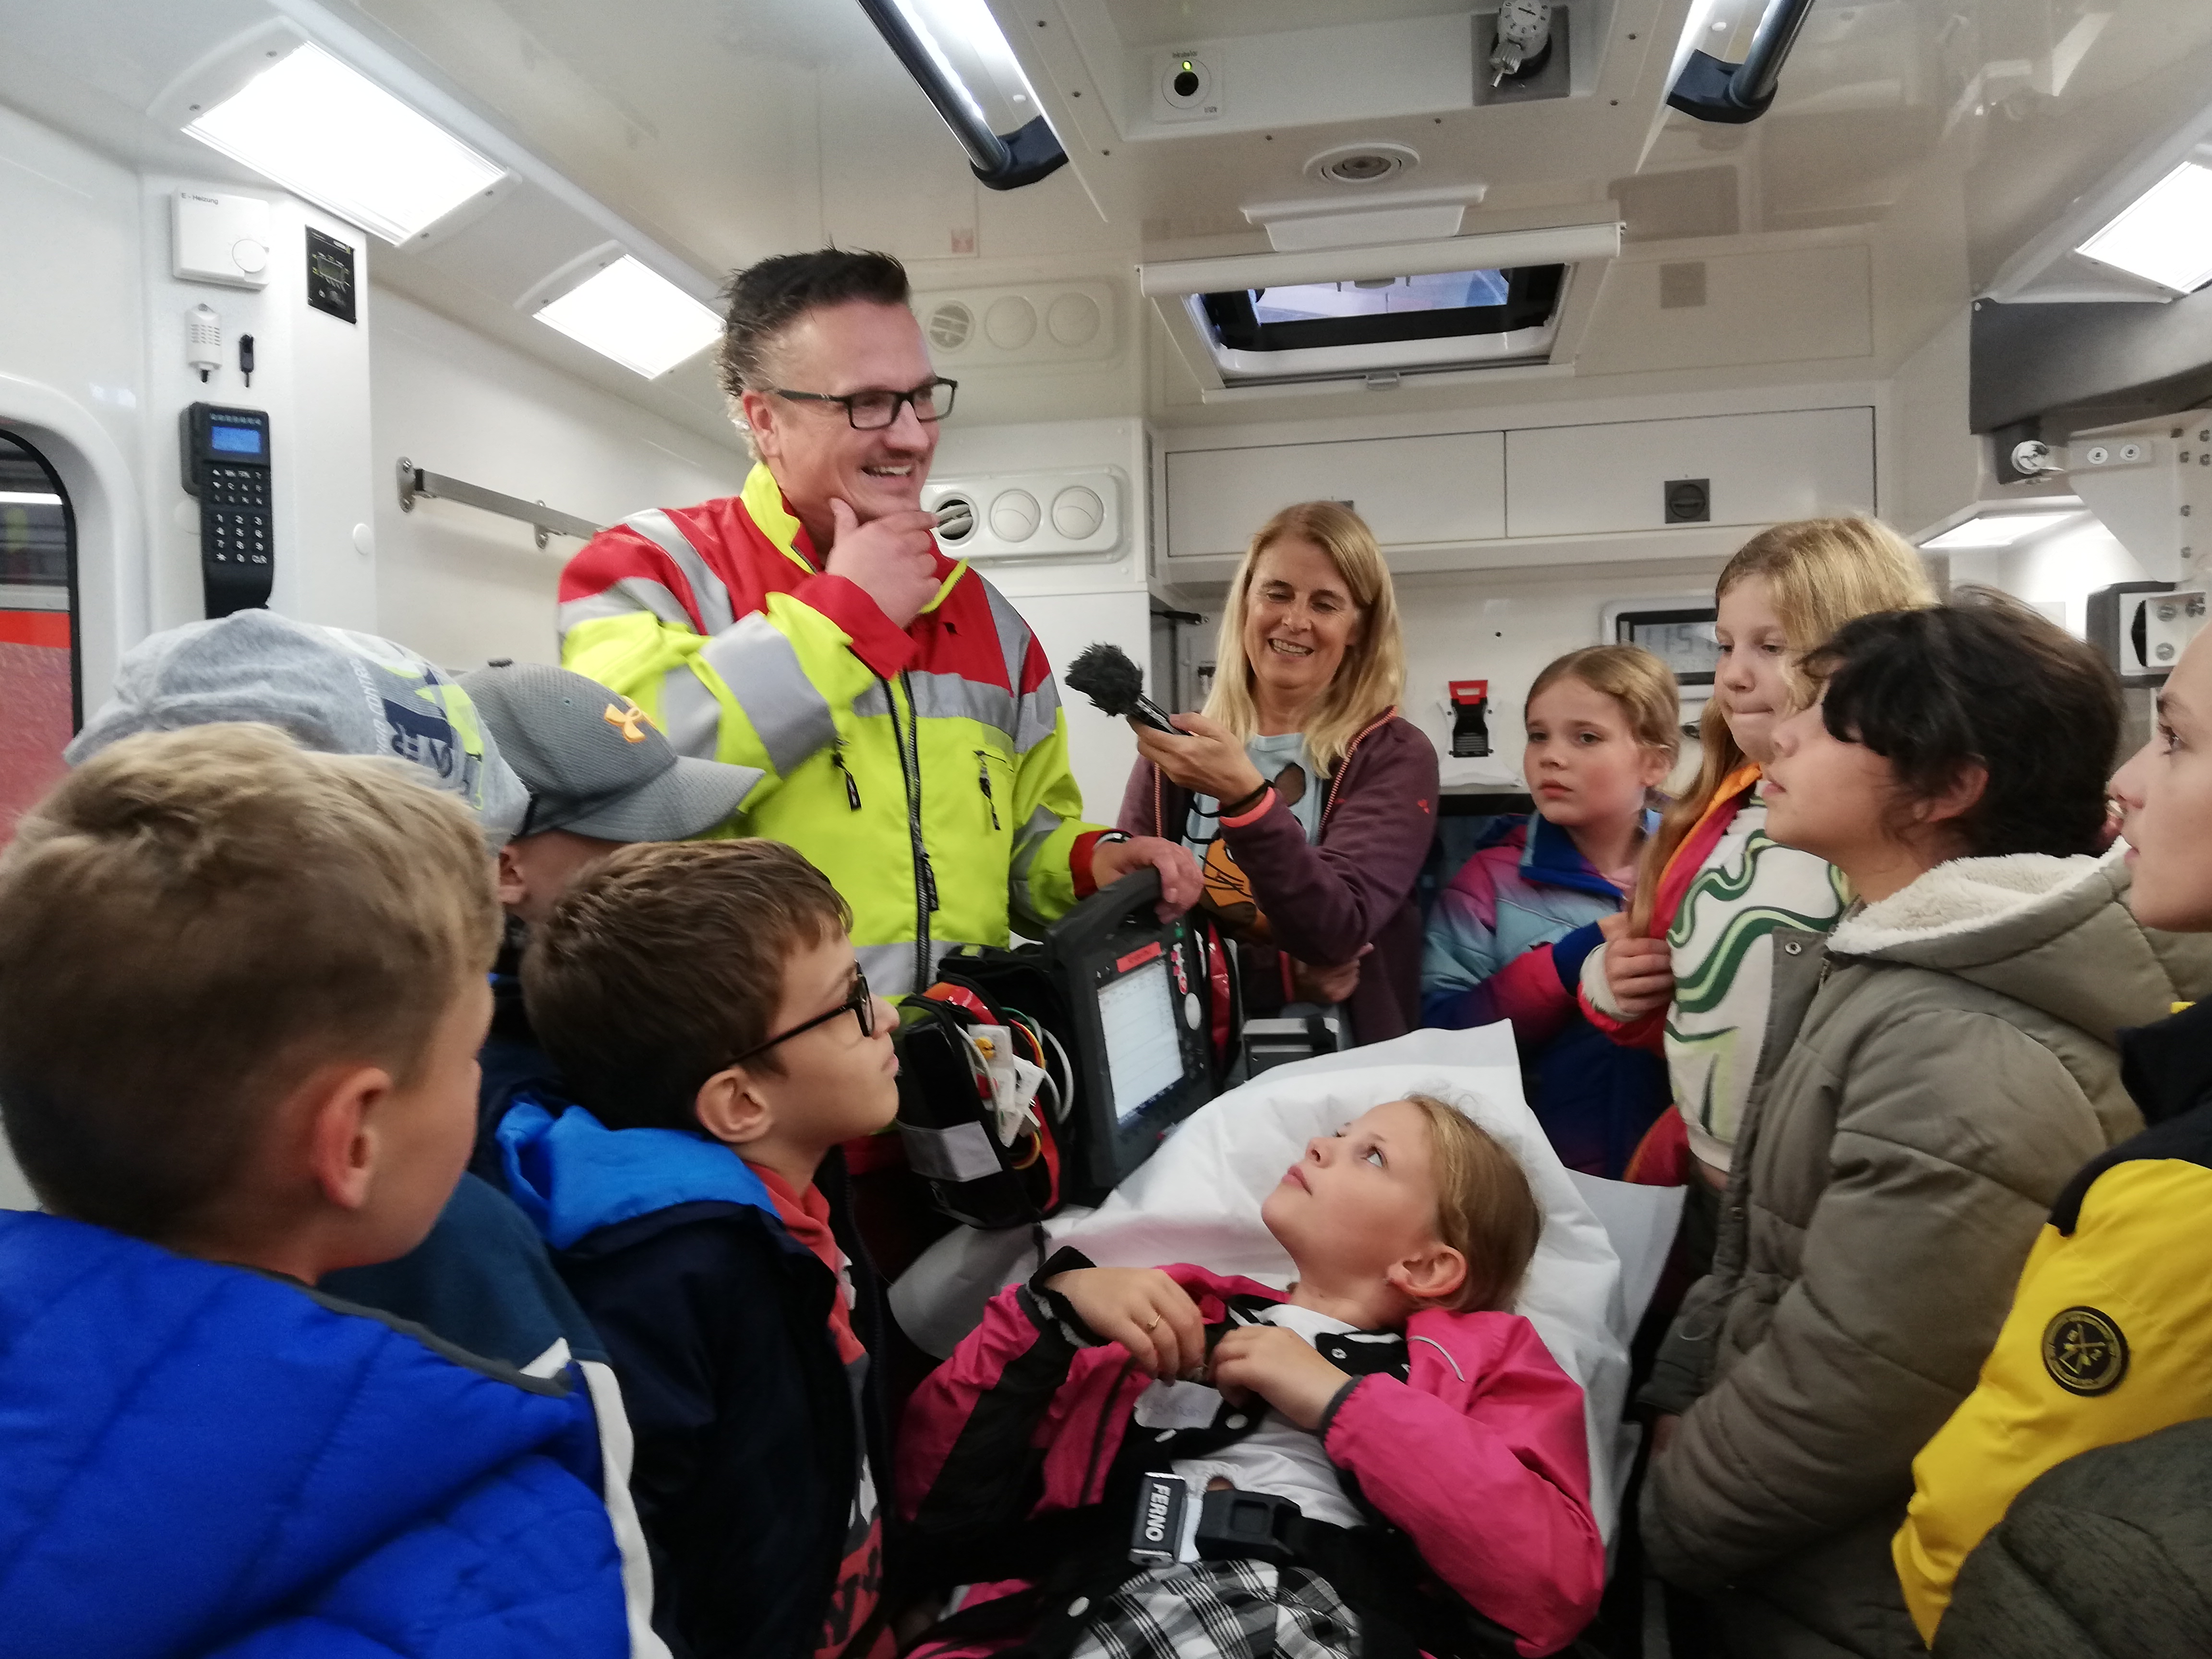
(2110,1336)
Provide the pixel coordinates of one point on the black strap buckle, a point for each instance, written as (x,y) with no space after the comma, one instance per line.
(1245,1526)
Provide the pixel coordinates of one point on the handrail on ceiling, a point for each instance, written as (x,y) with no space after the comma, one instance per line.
(1000,162)
(1735,93)
(413,482)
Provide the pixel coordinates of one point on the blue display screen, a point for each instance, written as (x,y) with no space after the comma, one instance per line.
(233,439)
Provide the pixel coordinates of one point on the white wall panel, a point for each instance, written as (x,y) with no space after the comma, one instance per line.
(1447,488)
(460,585)
(1610,479)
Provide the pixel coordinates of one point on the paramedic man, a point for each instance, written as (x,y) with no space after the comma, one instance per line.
(904,718)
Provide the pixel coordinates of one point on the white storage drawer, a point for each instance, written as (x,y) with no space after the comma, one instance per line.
(1450,488)
(1594,480)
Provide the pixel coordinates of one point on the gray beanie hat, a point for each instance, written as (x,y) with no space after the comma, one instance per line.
(335,691)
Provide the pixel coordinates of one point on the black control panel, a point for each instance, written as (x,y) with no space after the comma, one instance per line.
(226,464)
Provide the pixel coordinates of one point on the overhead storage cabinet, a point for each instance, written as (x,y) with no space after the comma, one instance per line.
(1450,488)
(1462,489)
(1595,480)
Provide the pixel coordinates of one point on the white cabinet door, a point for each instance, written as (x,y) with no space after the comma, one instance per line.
(1448,488)
(1594,480)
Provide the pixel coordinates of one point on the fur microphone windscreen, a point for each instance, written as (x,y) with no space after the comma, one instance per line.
(1114,685)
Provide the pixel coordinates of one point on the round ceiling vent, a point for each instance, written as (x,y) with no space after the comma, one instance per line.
(956,518)
(1363,164)
(951,325)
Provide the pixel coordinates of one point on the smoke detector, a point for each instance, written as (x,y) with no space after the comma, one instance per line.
(1363,164)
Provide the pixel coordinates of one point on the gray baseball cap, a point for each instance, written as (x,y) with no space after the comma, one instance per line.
(594,763)
(332,690)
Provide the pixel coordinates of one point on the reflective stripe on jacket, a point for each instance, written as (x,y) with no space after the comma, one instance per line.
(924,770)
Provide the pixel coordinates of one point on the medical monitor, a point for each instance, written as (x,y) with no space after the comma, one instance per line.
(1139,1008)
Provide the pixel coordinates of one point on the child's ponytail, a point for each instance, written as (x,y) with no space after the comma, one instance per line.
(1823,573)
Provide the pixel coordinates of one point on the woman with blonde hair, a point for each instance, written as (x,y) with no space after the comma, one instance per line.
(1309,803)
(1689,971)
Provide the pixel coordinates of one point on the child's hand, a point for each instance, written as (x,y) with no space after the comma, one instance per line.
(1282,1367)
(1640,974)
(1141,1309)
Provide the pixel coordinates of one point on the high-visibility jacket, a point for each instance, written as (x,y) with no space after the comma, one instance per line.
(924,770)
(2110,1336)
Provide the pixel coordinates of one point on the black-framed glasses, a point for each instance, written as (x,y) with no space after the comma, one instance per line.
(872,411)
(860,1004)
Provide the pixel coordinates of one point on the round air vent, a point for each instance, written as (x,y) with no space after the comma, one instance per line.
(951,325)
(956,518)
(1363,164)
(1077,513)
(1014,516)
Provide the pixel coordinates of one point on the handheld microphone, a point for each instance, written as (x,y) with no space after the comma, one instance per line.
(1115,686)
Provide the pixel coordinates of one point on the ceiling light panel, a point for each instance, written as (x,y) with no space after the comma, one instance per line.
(2165,234)
(1986,531)
(325,131)
(638,318)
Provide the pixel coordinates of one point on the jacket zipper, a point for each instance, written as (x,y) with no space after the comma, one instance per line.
(925,879)
(851,789)
(983,778)
(1342,766)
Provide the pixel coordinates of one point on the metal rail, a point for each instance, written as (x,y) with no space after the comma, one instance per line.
(1712,90)
(415,481)
(1000,162)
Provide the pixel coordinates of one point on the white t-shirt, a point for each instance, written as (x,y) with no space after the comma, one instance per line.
(1278,1458)
(1722,941)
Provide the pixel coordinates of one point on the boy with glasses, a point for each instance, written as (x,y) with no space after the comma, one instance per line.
(901,713)
(706,1009)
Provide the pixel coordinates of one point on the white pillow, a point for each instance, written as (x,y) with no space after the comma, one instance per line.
(1198,1199)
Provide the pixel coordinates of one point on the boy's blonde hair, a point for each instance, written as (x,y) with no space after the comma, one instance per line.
(1485,1209)
(192,923)
(1372,675)
(1822,573)
(1642,685)
(663,962)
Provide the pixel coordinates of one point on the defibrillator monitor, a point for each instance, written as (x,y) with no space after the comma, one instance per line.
(1138,1006)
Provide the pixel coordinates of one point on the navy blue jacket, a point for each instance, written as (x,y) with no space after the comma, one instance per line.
(748,1466)
(512,1064)
(201,1460)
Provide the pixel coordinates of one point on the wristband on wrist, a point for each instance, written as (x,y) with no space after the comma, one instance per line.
(1230,809)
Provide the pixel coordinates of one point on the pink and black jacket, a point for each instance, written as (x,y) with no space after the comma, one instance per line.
(1476,1456)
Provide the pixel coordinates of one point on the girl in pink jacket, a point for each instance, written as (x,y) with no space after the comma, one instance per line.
(1379,1462)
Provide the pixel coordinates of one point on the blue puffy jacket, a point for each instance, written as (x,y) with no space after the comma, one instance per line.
(201,1460)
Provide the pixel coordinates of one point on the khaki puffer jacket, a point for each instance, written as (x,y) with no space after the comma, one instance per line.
(1935,1071)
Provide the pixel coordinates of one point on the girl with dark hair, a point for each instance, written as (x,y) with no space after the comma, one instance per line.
(1934,1071)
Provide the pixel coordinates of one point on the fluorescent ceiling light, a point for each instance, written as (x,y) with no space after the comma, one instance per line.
(641,319)
(2165,236)
(329,133)
(29,498)
(1990,530)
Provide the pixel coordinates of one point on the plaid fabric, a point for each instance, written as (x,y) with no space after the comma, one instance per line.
(1221,1610)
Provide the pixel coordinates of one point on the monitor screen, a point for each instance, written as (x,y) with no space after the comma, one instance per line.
(233,439)
(1683,641)
(1143,1055)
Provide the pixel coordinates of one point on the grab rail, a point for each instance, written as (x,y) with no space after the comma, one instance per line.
(415,481)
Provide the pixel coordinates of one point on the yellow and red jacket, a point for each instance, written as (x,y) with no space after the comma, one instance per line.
(923,769)
(2110,1336)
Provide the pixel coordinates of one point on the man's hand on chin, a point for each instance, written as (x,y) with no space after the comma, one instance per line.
(1180,881)
(892,559)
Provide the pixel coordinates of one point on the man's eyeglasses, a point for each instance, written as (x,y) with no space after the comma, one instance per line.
(872,411)
(861,1004)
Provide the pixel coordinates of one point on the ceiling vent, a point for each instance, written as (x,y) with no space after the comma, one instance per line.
(1363,164)
(1040,323)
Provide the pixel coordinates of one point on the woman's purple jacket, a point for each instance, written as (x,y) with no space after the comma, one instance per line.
(1353,886)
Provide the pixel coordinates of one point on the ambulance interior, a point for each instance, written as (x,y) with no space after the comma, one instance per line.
(1567,300)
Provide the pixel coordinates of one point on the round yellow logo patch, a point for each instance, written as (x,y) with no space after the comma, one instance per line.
(2084,1351)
